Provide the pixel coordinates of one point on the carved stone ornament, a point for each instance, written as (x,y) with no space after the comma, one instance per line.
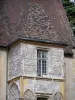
(13,92)
(28,95)
(57,96)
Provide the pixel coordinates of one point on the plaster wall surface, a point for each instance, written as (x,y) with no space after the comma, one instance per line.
(23,61)
(70,78)
(3,68)
(41,86)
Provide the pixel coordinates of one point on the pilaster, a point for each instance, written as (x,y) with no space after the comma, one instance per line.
(21,88)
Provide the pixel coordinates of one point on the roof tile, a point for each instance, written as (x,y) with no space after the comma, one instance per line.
(36,19)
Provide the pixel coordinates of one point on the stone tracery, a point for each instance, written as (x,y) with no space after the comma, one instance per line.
(57,96)
(13,93)
(28,95)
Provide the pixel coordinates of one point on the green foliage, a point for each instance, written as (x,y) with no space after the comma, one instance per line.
(70,10)
(67,3)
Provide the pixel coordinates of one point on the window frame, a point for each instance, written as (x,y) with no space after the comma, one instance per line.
(42,69)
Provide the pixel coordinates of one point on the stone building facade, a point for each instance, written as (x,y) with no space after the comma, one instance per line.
(37,51)
(22,62)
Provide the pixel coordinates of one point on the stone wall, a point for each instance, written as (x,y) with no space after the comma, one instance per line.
(14,62)
(29,57)
(23,61)
(55,61)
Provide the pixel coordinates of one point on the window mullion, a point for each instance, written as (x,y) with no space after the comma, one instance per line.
(41,63)
(41,67)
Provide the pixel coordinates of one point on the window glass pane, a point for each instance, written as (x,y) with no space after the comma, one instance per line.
(44,54)
(39,67)
(39,54)
(44,67)
(41,62)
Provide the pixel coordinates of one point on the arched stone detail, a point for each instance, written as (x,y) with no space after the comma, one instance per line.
(13,93)
(58,96)
(29,95)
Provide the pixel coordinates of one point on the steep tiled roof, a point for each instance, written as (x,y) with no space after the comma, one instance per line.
(43,20)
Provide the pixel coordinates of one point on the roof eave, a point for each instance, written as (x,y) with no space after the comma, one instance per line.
(35,40)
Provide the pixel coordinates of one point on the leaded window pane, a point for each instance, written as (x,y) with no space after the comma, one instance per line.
(41,62)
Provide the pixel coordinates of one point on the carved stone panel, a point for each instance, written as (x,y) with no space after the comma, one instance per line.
(29,95)
(13,93)
(58,96)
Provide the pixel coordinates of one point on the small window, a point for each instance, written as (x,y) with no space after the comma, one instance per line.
(40,98)
(41,62)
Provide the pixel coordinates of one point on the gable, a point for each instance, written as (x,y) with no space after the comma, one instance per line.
(34,19)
